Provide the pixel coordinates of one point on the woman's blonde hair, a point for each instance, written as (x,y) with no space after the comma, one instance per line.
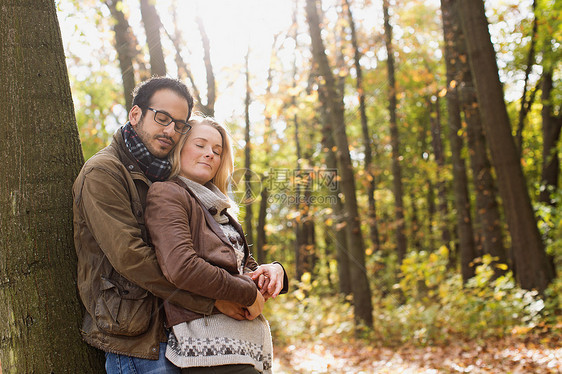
(226,165)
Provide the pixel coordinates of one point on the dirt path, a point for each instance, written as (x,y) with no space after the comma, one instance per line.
(500,356)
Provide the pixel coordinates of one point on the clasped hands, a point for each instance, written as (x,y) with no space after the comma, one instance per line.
(269,280)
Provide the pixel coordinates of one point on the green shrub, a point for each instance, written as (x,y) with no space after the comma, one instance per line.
(437,306)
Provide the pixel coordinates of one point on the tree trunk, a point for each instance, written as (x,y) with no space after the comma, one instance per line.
(333,104)
(401,242)
(209,108)
(532,267)
(465,231)
(430,195)
(526,104)
(248,217)
(152,25)
(40,313)
(338,215)
(125,46)
(488,219)
(370,176)
(435,120)
(261,240)
(416,227)
(300,239)
(184,70)
(551,126)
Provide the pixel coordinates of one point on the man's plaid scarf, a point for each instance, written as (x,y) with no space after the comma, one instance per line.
(155,169)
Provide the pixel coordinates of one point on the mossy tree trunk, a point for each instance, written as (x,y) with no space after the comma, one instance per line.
(40,314)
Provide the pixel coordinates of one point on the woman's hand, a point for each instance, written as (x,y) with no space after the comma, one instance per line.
(255,309)
(269,279)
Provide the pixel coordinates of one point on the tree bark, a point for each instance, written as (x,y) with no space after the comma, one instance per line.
(248,217)
(401,242)
(526,103)
(532,267)
(40,313)
(125,46)
(261,239)
(435,120)
(372,211)
(551,127)
(333,104)
(465,231)
(209,108)
(488,218)
(152,26)
(339,221)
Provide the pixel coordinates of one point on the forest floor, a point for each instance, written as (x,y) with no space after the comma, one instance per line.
(516,356)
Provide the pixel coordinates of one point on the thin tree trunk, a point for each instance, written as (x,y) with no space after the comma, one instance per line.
(248,217)
(531,264)
(416,227)
(183,69)
(209,107)
(339,220)
(401,242)
(300,242)
(339,215)
(334,105)
(551,126)
(40,313)
(435,120)
(430,195)
(152,25)
(261,240)
(526,104)
(431,210)
(465,231)
(372,212)
(125,46)
(488,217)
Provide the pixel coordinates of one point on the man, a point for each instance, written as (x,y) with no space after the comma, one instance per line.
(119,279)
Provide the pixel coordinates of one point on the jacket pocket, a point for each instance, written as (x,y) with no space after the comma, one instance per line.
(122,308)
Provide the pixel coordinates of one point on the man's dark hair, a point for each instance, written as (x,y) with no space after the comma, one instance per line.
(143,92)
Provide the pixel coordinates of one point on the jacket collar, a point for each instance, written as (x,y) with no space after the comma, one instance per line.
(212,223)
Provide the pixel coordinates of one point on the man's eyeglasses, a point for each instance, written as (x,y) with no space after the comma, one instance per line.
(165,119)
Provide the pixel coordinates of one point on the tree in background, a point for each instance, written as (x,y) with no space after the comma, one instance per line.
(460,89)
(401,241)
(367,139)
(333,105)
(532,268)
(460,182)
(40,313)
(152,25)
(125,44)
(248,198)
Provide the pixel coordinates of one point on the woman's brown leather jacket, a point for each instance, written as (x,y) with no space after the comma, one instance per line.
(193,251)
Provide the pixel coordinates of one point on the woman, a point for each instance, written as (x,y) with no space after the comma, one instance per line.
(201,248)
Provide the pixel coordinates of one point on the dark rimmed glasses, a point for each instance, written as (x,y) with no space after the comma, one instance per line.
(164,119)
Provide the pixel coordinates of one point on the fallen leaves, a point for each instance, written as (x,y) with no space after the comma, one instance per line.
(509,355)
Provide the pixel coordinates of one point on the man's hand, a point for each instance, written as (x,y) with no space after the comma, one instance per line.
(269,279)
(231,309)
(255,309)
